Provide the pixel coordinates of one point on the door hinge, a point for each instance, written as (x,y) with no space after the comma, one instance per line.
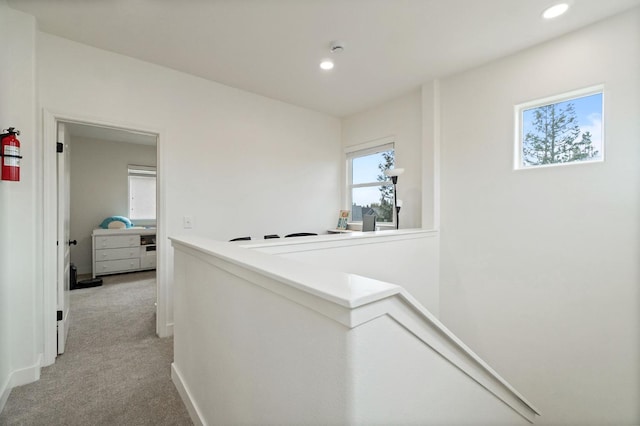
(59,147)
(59,315)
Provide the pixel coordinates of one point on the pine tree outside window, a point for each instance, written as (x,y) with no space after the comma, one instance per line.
(560,130)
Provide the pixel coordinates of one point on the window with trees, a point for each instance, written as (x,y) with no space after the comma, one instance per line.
(561,129)
(142,193)
(370,191)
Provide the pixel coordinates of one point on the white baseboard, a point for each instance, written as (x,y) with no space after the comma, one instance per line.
(19,378)
(183,390)
(5,391)
(166,331)
(27,374)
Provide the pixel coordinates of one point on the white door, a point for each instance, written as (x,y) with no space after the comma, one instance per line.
(64,242)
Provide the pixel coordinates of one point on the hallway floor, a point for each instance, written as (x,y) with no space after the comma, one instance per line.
(115,371)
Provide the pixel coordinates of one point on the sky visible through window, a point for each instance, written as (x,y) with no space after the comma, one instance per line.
(365,170)
(588,111)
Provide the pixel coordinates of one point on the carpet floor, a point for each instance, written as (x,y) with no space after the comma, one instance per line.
(114,371)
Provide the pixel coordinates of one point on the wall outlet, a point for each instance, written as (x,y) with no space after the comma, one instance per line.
(187,222)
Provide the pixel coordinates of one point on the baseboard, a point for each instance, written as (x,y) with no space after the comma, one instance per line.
(27,375)
(183,390)
(19,378)
(166,331)
(5,391)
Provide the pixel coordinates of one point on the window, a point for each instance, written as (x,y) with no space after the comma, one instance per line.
(369,190)
(142,193)
(561,129)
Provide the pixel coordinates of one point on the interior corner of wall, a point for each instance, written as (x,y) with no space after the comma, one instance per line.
(5,389)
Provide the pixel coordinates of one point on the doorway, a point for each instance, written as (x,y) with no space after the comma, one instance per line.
(103,165)
(100,154)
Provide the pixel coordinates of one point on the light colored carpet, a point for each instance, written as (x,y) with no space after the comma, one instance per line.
(115,371)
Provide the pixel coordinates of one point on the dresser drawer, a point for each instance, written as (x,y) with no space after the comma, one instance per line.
(117,253)
(121,265)
(123,251)
(117,241)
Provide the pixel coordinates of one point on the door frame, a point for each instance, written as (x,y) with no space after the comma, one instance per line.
(63,247)
(50,121)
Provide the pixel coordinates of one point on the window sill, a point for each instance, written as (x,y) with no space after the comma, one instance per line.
(384,226)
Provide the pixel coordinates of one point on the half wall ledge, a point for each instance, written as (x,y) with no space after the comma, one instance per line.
(259,338)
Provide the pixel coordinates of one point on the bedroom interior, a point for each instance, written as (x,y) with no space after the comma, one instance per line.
(100,168)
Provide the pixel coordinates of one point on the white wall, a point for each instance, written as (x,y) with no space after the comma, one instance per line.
(238,163)
(431,155)
(401,119)
(20,257)
(540,268)
(269,370)
(99,187)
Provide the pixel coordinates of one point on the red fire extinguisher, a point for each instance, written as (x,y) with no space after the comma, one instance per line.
(10,154)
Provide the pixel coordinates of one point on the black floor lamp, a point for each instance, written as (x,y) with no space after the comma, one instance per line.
(397,204)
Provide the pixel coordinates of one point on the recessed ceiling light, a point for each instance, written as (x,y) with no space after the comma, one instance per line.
(555,11)
(326,64)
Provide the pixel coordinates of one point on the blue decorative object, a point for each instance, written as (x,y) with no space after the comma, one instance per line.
(106,224)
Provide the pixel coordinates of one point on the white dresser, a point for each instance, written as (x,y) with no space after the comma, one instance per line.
(123,250)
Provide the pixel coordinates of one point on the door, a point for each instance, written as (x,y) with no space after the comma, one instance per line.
(64,242)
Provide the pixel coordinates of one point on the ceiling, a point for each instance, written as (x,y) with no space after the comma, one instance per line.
(274,47)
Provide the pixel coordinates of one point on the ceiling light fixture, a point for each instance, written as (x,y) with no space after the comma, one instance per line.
(334,47)
(326,64)
(555,11)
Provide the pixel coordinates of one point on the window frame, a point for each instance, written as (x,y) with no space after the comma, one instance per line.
(134,170)
(563,97)
(363,150)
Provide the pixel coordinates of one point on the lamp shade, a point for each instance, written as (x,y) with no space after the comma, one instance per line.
(393,172)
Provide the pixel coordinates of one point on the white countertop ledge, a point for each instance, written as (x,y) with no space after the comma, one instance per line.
(348,290)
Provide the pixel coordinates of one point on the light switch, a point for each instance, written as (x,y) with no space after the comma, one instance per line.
(187,222)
